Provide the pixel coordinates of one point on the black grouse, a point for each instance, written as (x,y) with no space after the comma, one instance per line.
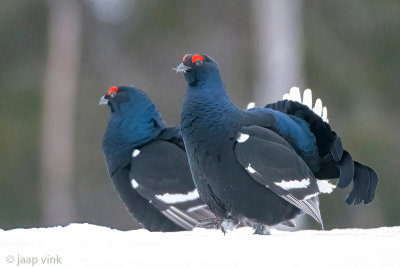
(147,164)
(252,167)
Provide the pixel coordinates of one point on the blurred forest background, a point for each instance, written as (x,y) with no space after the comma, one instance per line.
(57,58)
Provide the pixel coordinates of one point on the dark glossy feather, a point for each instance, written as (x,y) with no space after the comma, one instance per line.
(221,154)
(148,166)
(287,175)
(335,161)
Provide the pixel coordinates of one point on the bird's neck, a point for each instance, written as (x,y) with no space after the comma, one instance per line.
(207,109)
(122,137)
(131,131)
(211,93)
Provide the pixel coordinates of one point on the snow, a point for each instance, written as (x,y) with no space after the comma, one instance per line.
(91,245)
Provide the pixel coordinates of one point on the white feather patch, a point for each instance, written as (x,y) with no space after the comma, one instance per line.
(318,107)
(135,153)
(310,196)
(251,105)
(325,114)
(250,169)
(134,184)
(295,94)
(196,208)
(294,184)
(325,186)
(307,98)
(242,137)
(176,198)
(286,97)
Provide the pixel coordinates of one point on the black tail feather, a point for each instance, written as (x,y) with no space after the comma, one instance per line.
(337,148)
(336,162)
(361,182)
(325,137)
(373,184)
(346,168)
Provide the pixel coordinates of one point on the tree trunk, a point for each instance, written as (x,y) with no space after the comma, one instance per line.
(278,36)
(57,143)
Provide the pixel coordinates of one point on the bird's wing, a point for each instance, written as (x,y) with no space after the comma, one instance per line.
(272,162)
(140,208)
(160,173)
(173,134)
(294,130)
(336,162)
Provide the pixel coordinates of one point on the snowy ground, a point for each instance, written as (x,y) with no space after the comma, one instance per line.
(91,245)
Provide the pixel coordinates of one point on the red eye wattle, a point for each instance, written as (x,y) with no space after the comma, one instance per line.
(113,89)
(196,58)
(184,57)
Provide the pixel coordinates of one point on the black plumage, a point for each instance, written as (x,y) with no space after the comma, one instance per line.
(252,167)
(335,161)
(147,164)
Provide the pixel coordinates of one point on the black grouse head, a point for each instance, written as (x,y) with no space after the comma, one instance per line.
(134,121)
(134,116)
(128,100)
(121,98)
(199,69)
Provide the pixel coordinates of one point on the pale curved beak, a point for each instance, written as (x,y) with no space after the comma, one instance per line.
(103,101)
(182,68)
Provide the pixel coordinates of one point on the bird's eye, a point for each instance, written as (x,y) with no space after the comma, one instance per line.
(113,91)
